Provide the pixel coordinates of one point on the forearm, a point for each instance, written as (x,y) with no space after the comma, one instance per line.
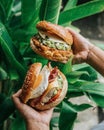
(36,126)
(96,59)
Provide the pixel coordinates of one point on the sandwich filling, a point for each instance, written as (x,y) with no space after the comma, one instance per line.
(52,89)
(52,42)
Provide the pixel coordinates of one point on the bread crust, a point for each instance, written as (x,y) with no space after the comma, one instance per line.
(56,31)
(28,88)
(40,106)
(50,53)
(30,78)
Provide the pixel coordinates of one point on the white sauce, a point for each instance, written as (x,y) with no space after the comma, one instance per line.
(45,72)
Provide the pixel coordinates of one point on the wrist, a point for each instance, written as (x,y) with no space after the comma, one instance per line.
(95,58)
(36,125)
(91,47)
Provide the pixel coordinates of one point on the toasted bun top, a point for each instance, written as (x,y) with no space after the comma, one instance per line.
(55,31)
(30,78)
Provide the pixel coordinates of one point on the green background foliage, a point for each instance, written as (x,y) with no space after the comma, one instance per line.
(17,25)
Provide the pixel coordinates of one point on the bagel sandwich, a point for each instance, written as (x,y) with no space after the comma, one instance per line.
(52,41)
(44,87)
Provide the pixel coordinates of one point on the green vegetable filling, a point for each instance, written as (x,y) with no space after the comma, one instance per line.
(52,44)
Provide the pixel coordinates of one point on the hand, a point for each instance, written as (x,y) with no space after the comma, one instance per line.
(34,119)
(81,47)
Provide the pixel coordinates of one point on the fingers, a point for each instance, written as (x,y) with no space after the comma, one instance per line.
(77,59)
(80,57)
(71,31)
(74,33)
(16,99)
(17,94)
(78,38)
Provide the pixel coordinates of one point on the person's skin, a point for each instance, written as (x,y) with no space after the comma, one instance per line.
(35,120)
(84,51)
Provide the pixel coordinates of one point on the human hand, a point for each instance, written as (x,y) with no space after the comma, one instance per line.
(81,47)
(34,119)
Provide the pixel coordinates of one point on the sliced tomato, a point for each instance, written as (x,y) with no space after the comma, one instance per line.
(55,97)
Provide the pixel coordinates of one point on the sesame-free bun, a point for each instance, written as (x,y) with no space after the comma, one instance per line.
(57,32)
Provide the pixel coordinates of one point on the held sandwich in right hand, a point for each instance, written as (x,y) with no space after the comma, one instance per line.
(52,42)
(44,87)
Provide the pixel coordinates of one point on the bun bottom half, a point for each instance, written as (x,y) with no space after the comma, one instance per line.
(50,53)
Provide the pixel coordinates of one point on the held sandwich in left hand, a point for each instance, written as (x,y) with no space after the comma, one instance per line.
(44,87)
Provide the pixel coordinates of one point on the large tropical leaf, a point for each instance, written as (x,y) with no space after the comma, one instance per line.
(30,12)
(70,4)
(81,11)
(6,7)
(99,100)
(3,74)
(6,109)
(12,54)
(93,88)
(50,10)
(67,117)
(18,123)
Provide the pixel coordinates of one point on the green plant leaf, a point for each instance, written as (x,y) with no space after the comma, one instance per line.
(91,73)
(54,121)
(70,4)
(18,123)
(67,117)
(12,54)
(2,98)
(17,7)
(73,76)
(67,68)
(79,66)
(6,109)
(7,7)
(30,12)
(99,100)
(3,74)
(93,88)
(81,11)
(49,10)
(79,108)
(2,12)
(13,75)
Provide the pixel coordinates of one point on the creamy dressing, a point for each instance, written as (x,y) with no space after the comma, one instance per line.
(53,89)
(45,72)
(51,38)
(52,42)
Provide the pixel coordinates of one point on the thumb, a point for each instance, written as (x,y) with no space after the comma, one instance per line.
(77,59)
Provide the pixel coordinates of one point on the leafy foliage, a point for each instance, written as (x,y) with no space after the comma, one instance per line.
(17,24)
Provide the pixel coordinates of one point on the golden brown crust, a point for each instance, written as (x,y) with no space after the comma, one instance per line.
(29,81)
(40,106)
(50,53)
(55,30)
